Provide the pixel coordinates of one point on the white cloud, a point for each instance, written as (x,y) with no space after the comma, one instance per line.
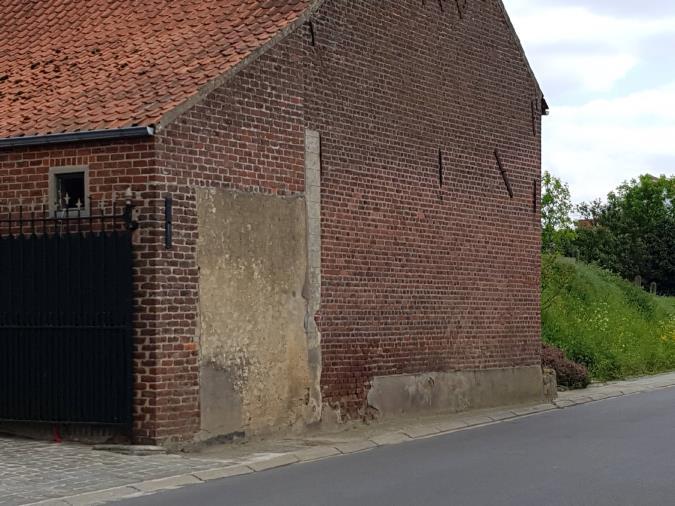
(579,25)
(598,145)
(581,48)
(597,71)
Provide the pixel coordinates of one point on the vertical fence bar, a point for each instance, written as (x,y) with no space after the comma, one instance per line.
(9,219)
(32,219)
(44,218)
(91,216)
(101,208)
(114,211)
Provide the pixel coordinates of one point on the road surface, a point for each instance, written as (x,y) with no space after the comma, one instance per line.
(615,452)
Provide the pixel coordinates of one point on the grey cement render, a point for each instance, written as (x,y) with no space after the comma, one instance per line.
(259,260)
(455,391)
(252,256)
(615,453)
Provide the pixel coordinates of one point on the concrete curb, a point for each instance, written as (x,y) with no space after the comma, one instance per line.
(223,472)
(137,450)
(355,446)
(406,433)
(283,460)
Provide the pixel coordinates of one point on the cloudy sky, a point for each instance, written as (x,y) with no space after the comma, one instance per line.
(607,68)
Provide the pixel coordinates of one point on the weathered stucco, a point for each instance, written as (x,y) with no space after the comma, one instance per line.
(252,255)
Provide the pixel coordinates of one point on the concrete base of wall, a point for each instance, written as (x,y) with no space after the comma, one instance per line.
(439,392)
(550,384)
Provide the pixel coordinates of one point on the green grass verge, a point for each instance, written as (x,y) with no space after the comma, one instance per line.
(613,327)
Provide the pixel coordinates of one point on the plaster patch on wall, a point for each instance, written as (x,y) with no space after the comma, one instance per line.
(252,257)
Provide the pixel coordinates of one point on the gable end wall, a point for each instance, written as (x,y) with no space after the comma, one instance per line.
(416,277)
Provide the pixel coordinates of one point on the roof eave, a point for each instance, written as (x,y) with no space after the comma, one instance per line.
(67,137)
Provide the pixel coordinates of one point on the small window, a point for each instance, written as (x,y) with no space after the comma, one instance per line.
(68,189)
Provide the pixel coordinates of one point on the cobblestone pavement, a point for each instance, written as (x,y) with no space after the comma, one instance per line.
(32,471)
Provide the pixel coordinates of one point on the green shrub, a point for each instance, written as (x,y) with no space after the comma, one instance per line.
(611,326)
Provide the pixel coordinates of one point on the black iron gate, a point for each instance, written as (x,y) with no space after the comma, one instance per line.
(66,302)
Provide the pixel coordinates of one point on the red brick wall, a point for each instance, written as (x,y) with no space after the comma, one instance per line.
(113,167)
(416,277)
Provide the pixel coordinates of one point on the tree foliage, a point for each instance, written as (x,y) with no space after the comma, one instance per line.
(557,232)
(633,233)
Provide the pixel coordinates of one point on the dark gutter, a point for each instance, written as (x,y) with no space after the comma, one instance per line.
(544,107)
(90,135)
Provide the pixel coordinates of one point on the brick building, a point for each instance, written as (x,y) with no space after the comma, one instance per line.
(335,207)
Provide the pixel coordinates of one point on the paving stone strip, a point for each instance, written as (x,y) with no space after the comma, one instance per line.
(33,472)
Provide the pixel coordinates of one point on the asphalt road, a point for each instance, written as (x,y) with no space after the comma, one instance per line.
(615,452)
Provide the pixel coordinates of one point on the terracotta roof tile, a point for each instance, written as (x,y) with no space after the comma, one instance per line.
(74,65)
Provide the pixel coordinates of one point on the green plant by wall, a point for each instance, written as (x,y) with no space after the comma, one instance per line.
(613,327)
